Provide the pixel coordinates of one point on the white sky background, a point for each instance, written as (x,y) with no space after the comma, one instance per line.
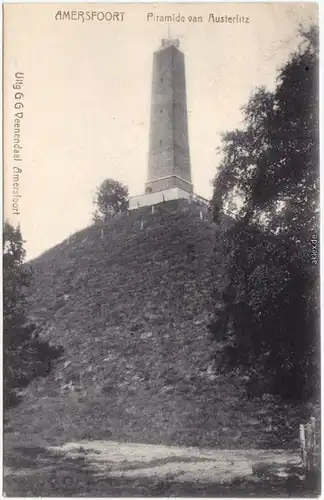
(87,93)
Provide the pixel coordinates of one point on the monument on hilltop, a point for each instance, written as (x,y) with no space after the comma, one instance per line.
(169,170)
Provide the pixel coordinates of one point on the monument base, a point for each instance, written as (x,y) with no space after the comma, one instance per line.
(146,200)
(175,193)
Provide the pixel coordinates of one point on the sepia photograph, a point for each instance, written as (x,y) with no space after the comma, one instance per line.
(161,313)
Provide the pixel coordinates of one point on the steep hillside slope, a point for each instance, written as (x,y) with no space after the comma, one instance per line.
(130,303)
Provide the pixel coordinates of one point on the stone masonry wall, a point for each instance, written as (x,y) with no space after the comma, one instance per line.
(168,141)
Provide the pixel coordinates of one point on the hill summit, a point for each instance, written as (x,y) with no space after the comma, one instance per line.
(130,302)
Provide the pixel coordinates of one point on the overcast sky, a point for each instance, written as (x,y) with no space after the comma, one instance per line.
(87,98)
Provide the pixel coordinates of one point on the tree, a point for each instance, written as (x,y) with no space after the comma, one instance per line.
(25,355)
(111,199)
(269,178)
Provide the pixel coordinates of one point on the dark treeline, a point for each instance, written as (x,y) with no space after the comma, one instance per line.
(267,312)
(25,355)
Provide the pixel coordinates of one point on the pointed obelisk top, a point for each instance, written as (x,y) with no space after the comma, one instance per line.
(166,42)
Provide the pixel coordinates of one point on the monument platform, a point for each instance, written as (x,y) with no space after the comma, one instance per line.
(174,193)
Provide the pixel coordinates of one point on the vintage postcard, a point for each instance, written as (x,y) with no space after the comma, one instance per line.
(161,250)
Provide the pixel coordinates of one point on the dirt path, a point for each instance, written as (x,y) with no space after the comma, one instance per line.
(112,468)
(135,460)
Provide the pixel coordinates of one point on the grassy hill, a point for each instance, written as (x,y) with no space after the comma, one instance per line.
(130,303)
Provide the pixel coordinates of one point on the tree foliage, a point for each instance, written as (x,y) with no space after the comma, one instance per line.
(111,199)
(25,355)
(269,180)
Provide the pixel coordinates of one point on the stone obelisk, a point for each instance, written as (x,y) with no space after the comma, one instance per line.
(169,155)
